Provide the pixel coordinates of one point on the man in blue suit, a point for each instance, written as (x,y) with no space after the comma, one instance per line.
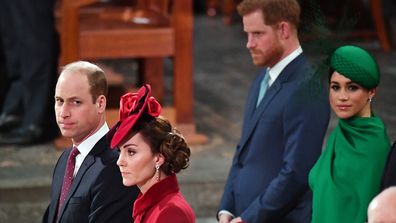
(286,117)
(96,193)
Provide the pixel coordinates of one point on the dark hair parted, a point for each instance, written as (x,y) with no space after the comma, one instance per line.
(274,11)
(164,139)
(95,76)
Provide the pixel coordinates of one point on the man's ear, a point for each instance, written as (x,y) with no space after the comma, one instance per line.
(101,103)
(284,30)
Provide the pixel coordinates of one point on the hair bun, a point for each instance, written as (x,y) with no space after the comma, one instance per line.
(176,152)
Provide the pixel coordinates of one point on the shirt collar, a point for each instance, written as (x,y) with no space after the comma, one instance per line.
(86,146)
(277,68)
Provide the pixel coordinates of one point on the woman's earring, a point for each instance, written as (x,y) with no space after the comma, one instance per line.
(370,100)
(157,166)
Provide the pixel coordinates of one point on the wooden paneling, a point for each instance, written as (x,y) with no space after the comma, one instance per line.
(104,31)
(126,43)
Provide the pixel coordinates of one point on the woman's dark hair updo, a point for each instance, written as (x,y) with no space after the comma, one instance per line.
(164,139)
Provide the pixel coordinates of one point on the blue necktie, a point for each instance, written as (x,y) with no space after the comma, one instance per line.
(263,88)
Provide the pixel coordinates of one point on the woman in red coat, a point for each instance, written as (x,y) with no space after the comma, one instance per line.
(151,153)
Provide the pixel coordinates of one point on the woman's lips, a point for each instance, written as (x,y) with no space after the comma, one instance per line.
(343,107)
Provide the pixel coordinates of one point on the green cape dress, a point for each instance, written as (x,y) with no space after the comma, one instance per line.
(348,173)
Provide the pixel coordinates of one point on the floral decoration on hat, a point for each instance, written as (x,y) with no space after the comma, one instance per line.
(132,106)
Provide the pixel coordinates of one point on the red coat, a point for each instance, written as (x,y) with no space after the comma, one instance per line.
(163,203)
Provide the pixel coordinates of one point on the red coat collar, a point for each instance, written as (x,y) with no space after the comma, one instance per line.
(154,195)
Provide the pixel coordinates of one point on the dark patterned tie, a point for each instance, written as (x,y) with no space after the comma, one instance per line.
(68,178)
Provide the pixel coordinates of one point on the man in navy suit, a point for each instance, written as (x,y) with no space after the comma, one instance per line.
(285,120)
(96,193)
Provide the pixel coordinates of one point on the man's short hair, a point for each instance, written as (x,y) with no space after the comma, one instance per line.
(95,75)
(274,11)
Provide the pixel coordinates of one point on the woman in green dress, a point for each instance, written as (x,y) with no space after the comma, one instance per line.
(348,173)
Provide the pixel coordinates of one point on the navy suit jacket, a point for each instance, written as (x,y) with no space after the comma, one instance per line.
(281,140)
(389,175)
(96,194)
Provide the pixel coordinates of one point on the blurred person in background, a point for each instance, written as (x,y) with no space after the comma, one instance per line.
(3,76)
(389,176)
(30,46)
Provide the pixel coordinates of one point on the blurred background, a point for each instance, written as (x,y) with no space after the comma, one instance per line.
(193,54)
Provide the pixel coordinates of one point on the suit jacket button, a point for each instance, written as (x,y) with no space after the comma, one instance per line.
(240,164)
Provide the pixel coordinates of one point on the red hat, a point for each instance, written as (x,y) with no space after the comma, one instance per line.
(132,106)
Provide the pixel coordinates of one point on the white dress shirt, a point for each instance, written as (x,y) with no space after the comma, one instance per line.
(277,68)
(86,146)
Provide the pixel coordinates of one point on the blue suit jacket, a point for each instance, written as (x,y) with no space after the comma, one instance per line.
(96,194)
(281,140)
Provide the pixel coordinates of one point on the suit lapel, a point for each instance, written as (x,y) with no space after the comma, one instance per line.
(270,96)
(266,101)
(251,102)
(57,185)
(251,106)
(86,164)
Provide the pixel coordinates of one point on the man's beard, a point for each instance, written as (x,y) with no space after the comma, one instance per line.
(269,58)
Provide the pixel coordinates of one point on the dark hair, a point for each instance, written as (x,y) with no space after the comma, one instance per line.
(95,75)
(166,140)
(331,71)
(274,11)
